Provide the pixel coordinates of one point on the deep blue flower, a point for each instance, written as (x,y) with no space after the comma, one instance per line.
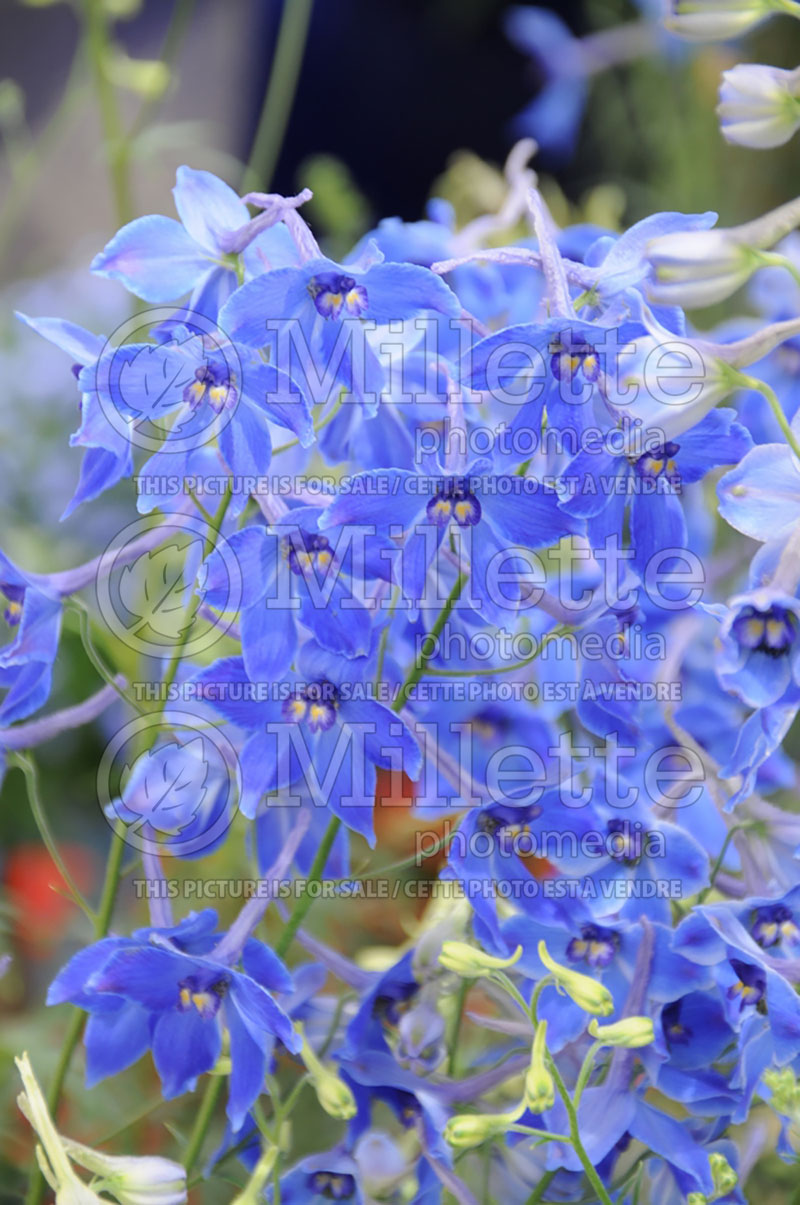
(497,513)
(319,727)
(603,487)
(316,312)
(294,575)
(161,989)
(32,613)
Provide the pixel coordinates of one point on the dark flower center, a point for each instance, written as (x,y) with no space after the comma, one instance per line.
(212,383)
(333,295)
(659,463)
(315,705)
(454,500)
(772,631)
(596,946)
(751,985)
(334,1186)
(773,924)
(307,550)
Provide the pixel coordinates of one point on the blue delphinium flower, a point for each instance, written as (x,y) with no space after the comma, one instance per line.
(295,574)
(160,259)
(319,726)
(32,613)
(311,319)
(162,989)
(109,453)
(602,486)
(498,512)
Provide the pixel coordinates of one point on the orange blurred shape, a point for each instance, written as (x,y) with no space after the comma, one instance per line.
(38,895)
(396,826)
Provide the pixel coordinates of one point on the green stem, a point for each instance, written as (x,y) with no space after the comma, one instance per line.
(777,409)
(97,50)
(562,630)
(306,900)
(575,1136)
(541,1188)
(537,991)
(214,527)
(585,1072)
(422,664)
(203,1120)
(75,1028)
(456,1030)
(717,867)
(28,768)
(502,979)
(279,96)
(178,24)
(84,627)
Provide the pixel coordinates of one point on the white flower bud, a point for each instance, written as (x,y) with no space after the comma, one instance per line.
(697,268)
(759,106)
(717,20)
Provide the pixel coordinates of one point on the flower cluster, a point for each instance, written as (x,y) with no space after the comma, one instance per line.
(445,510)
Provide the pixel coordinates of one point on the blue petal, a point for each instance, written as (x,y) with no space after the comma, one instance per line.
(81,345)
(385,498)
(533,520)
(274,395)
(256,553)
(249,1060)
(208,207)
(261,1014)
(149,976)
(761,496)
(154,258)
(274,297)
(70,982)
(185,1045)
(269,640)
(100,470)
(717,439)
(398,291)
(657,526)
(263,965)
(115,1039)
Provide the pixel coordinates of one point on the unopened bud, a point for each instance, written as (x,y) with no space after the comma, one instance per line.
(332,1092)
(759,106)
(539,1087)
(587,993)
(718,20)
(629,1033)
(725,1178)
(471,963)
(471,1129)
